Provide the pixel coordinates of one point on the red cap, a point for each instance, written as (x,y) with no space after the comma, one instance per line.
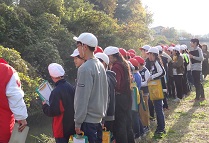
(132,51)
(3,61)
(134,62)
(98,50)
(172,45)
(139,59)
(132,55)
(123,52)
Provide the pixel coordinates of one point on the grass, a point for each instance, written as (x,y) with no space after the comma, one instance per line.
(186,122)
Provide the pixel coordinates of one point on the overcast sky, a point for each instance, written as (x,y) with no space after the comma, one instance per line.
(189,15)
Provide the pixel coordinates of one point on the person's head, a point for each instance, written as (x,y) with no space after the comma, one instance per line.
(110,51)
(204,47)
(195,43)
(144,51)
(86,44)
(160,49)
(78,61)
(169,51)
(140,61)
(103,58)
(98,49)
(135,63)
(123,52)
(176,51)
(153,54)
(56,72)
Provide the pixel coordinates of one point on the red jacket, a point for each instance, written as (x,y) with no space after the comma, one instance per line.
(6,116)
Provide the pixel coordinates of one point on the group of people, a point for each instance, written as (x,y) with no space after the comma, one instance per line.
(111,90)
(109,80)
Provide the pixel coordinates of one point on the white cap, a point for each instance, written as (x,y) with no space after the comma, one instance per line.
(56,70)
(110,50)
(146,47)
(88,39)
(170,49)
(159,48)
(103,57)
(153,50)
(177,48)
(75,53)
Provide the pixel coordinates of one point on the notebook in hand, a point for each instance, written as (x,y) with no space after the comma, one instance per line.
(18,137)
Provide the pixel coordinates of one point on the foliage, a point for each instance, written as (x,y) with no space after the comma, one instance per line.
(160,40)
(29,78)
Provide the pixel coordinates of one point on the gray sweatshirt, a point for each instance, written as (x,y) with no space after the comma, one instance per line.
(196,61)
(91,95)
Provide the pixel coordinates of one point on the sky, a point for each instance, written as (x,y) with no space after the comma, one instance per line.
(191,16)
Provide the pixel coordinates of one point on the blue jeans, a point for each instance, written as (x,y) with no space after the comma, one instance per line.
(135,123)
(158,105)
(93,131)
(61,140)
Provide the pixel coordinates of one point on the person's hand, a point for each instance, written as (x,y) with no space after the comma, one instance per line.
(78,131)
(149,79)
(22,125)
(190,56)
(43,102)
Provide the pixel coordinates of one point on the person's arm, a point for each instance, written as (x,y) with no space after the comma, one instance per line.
(116,69)
(17,105)
(138,80)
(147,76)
(159,71)
(82,95)
(200,58)
(167,56)
(53,109)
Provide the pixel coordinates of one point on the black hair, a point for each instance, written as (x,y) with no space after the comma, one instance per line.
(205,46)
(136,68)
(90,48)
(160,52)
(177,53)
(195,40)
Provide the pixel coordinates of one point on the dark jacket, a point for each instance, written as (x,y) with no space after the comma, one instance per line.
(61,108)
(110,115)
(179,65)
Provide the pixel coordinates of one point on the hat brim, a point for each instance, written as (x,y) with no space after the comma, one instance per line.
(75,38)
(74,55)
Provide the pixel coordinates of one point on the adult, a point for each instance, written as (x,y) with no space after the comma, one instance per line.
(12,105)
(60,105)
(91,95)
(123,131)
(196,56)
(205,64)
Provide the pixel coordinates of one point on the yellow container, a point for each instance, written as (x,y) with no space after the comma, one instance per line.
(155,90)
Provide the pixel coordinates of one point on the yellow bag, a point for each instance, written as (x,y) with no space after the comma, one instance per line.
(155,90)
(106,136)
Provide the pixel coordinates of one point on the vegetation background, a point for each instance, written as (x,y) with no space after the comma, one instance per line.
(35,33)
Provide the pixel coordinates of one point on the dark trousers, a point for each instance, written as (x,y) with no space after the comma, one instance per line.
(178,83)
(93,131)
(61,140)
(171,87)
(122,131)
(165,103)
(190,78)
(185,84)
(198,85)
(151,108)
(135,123)
(158,104)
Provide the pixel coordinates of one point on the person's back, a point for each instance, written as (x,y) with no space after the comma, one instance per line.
(61,105)
(91,92)
(12,106)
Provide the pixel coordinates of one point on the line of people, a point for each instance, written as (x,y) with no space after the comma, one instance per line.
(112,89)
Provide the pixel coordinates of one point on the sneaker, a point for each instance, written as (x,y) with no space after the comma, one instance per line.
(146,129)
(202,99)
(159,134)
(177,100)
(194,100)
(137,140)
